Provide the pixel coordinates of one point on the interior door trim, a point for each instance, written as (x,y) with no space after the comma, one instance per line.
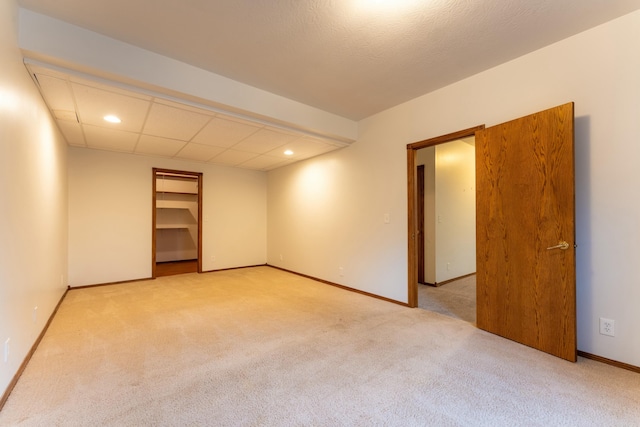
(412,149)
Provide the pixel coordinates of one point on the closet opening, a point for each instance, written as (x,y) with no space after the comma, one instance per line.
(177,222)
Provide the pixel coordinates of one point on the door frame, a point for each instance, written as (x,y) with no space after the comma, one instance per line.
(412,150)
(197,175)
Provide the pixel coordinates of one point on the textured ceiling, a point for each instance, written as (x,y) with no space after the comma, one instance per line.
(353,58)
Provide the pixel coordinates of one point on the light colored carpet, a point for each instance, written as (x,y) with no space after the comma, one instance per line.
(259,346)
(454,299)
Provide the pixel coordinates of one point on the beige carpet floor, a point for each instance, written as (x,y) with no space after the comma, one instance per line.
(261,347)
(454,299)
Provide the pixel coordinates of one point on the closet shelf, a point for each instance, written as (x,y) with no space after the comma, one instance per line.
(191,193)
(171,204)
(171,227)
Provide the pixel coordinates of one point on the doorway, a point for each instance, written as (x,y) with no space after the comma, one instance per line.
(446,229)
(177,222)
(414,229)
(445,225)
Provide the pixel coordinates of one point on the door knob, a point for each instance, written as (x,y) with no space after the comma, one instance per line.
(562,245)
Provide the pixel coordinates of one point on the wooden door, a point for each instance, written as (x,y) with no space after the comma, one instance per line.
(525,214)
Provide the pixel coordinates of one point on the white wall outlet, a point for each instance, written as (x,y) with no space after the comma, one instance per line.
(213,258)
(6,350)
(341,271)
(281,257)
(607,327)
(35,314)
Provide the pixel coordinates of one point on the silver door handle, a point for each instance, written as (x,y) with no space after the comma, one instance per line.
(562,245)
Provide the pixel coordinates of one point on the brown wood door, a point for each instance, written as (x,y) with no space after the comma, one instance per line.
(525,208)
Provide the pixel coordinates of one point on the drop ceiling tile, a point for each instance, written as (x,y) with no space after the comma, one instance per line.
(93,104)
(236,141)
(65,115)
(279,165)
(233,157)
(264,140)
(303,148)
(201,153)
(56,92)
(224,133)
(157,146)
(72,132)
(263,162)
(174,123)
(109,139)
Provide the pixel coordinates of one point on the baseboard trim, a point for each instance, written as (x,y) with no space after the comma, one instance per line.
(111,283)
(235,268)
(25,362)
(142,279)
(611,362)
(444,282)
(346,288)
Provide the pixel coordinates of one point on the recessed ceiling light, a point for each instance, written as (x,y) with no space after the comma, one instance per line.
(288,153)
(112,119)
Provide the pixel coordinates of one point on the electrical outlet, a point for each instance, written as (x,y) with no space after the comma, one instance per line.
(6,350)
(213,258)
(35,314)
(607,327)
(281,257)
(341,271)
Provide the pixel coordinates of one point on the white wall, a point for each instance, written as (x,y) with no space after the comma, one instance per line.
(455,214)
(33,218)
(110,214)
(328,211)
